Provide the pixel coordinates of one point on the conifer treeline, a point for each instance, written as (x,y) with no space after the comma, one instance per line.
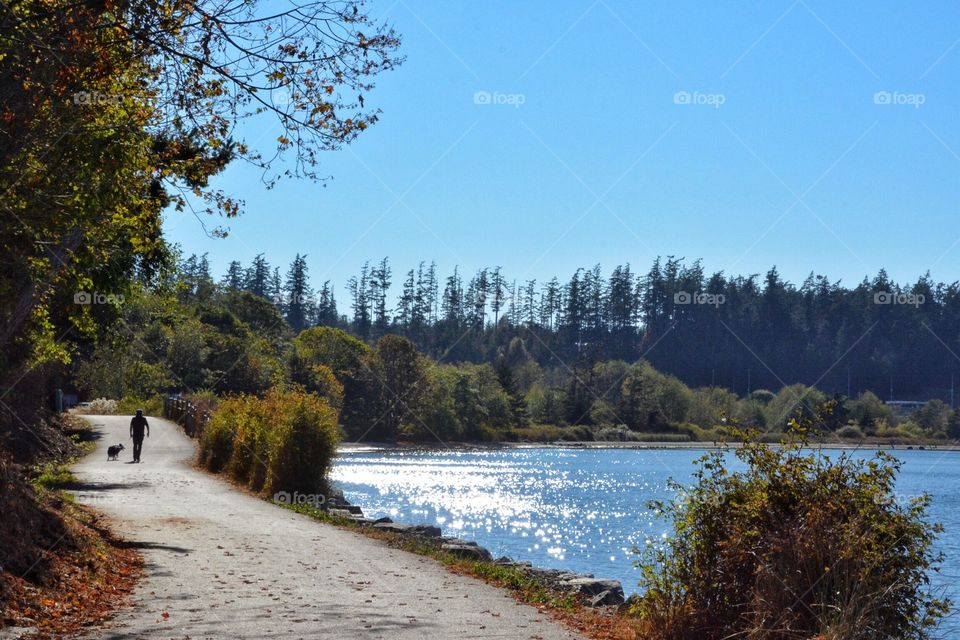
(740,332)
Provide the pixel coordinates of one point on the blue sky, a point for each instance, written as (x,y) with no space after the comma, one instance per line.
(806,134)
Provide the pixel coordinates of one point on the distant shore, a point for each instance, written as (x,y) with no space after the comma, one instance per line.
(841,446)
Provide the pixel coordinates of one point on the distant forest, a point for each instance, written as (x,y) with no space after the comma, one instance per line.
(740,332)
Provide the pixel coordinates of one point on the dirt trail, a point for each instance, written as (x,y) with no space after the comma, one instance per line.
(222,564)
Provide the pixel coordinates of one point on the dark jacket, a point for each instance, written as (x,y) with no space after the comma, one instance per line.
(137,427)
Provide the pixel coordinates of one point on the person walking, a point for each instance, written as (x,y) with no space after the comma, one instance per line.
(138,426)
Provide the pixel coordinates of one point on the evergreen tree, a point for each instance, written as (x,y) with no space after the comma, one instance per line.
(298,296)
(257,277)
(379,285)
(234,278)
(518,406)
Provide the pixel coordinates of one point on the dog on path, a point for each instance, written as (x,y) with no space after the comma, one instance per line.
(114,451)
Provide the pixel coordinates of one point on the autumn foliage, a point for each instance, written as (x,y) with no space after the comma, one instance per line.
(284,441)
(800,544)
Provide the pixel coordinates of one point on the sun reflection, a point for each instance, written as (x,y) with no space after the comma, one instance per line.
(584,510)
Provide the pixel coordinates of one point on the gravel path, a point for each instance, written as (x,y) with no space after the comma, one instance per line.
(222,564)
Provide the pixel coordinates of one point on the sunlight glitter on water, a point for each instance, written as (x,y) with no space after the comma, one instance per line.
(579,509)
(556,508)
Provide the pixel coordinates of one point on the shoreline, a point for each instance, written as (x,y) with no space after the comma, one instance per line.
(428,539)
(705,446)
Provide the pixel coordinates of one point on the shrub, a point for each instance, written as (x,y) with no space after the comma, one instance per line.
(282,442)
(795,546)
(102,407)
(205,400)
(216,443)
(151,405)
(795,401)
(850,431)
(303,440)
(868,410)
(249,451)
(933,416)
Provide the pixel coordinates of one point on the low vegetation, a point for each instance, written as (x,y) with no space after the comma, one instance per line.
(284,441)
(797,545)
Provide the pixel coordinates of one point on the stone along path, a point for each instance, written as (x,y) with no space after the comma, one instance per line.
(223,564)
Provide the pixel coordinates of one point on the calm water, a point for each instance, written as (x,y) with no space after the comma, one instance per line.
(580,509)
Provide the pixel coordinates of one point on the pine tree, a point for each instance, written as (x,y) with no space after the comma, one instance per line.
(326,313)
(359,292)
(379,285)
(406,302)
(257,277)
(452,308)
(275,287)
(496,290)
(298,307)
(518,407)
(233,280)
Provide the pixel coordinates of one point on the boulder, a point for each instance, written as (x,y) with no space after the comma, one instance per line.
(423,530)
(467,550)
(593,587)
(607,599)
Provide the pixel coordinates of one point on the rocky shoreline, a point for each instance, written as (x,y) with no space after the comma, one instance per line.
(589,590)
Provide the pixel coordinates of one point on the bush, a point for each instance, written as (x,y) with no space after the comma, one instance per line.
(102,407)
(868,410)
(850,431)
(282,442)
(699,434)
(795,546)
(205,400)
(302,441)
(128,405)
(216,443)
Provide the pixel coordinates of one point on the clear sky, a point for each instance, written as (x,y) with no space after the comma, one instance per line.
(807,134)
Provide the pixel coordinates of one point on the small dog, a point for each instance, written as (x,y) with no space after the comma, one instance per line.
(114,451)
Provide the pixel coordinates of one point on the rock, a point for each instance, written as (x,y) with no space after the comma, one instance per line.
(383,520)
(424,530)
(593,587)
(349,508)
(468,550)
(607,599)
(346,512)
(629,603)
